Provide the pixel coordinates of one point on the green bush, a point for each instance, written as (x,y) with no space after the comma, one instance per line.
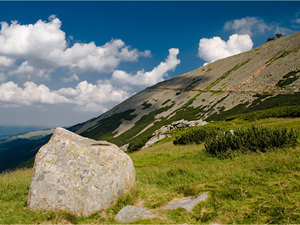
(137,144)
(252,139)
(195,135)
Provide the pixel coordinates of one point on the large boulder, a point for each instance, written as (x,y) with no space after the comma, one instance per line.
(79,175)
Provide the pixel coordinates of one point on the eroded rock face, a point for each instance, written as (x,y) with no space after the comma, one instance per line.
(79,175)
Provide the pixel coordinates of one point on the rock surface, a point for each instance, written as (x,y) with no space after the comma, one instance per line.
(188,203)
(79,175)
(130,214)
(161,134)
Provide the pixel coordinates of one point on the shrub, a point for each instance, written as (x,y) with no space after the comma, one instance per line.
(195,135)
(252,139)
(146,105)
(137,144)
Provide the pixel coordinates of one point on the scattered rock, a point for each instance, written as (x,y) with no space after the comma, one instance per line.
(124,148)
(79,175)
(155,139)
(130,214)
(188,203)
(160,134)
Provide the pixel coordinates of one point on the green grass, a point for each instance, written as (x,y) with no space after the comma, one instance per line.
(249,188)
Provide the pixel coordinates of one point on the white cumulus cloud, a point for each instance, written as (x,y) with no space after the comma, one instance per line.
(212,49)
(142,78)
(90,97)
(248,25)
(43,47)
(85,96)
(31,93)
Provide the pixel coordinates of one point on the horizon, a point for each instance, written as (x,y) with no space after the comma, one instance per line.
(63,63)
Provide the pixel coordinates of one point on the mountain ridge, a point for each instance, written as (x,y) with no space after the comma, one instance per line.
(204,92)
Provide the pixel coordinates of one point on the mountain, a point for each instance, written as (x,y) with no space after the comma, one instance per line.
(7,131)
(264,78)
(263,82)
(18,149)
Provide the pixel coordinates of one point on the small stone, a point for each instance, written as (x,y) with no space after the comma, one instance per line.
(131,213)
(188,203)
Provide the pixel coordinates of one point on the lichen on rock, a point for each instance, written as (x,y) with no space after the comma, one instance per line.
(79,175)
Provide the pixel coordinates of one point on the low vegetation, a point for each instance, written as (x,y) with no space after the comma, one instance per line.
(106,126)
(146,105)
(257,187)
(263,102)
(195,135)
(289,78)
(253,139)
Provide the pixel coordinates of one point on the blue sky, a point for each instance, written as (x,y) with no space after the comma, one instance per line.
(64,62)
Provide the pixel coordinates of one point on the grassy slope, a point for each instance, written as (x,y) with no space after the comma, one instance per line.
(252,188)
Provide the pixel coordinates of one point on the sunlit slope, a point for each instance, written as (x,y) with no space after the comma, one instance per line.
(263,78)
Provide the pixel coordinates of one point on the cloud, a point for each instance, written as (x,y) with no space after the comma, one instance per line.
(2,76)
(71,78)
(6,62)
(283,30)
(255,25)
(297,21)
(247,25)
(43,47)
(11,93)
(86,96)
(212,49)
(92,97)
(142,78)
(29,72)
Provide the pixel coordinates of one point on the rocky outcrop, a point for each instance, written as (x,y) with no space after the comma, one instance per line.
(161,133)
(130,214)
(79,175)
(188,203)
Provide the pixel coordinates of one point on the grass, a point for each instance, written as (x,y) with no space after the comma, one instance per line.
(249,188)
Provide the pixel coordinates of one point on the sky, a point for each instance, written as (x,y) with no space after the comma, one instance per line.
(62,63)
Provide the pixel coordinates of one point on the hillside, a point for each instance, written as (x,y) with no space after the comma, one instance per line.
(263,78)
(252,188)
(18,149)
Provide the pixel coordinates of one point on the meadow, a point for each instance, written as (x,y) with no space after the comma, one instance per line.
(251,187)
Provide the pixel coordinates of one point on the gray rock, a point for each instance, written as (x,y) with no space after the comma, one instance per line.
(161,133)
(124,148)
(79,175)
(155,139)
(130,214)
(188,203)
